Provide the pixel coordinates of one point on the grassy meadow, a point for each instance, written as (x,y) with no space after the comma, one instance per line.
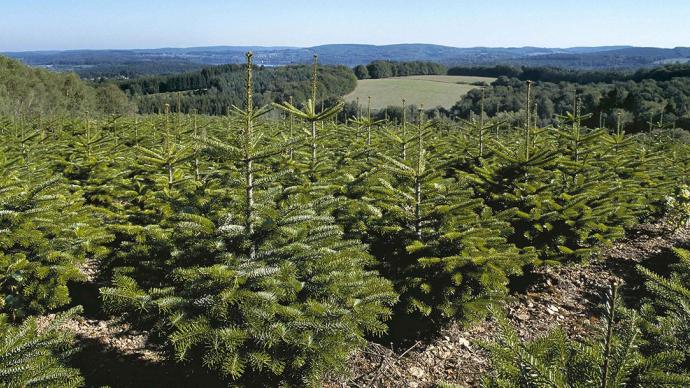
(430,90)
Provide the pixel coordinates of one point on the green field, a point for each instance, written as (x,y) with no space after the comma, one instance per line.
(430,90)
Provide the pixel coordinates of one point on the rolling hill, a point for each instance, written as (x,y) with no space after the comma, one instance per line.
(132,63)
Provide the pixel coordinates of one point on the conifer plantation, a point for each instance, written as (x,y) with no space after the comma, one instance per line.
(273,244)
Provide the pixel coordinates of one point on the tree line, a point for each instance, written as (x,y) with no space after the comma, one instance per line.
(640,106)
(213,90)
(556,74)
(387,69)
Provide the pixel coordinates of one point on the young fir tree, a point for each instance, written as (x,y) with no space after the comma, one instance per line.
(33,357)
(368,125)
(648,174)
(47,232)
(310,115)
(567,201)
(262,286)
(157,182)
(89,157)
(666,324)
(517,183)
(168,155)
(444,249)
(479,131)
(611,359)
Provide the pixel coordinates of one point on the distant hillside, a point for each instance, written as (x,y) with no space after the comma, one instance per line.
(31,92)
(629,57)
(132,63)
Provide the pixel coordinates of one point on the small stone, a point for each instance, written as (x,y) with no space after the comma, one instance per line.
(416,372)
(464,343)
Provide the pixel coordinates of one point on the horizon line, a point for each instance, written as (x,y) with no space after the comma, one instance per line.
(336,44)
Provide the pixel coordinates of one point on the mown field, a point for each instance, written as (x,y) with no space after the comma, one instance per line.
(430,90)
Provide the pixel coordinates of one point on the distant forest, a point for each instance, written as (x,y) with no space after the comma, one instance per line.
(556,74)
(645,98)
(130,70)
(214,89)
(28,92)
(387,69)
(643,105)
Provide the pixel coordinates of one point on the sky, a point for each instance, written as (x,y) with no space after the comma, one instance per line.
(96,24)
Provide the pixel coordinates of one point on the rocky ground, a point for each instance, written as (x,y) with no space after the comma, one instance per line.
(111,334)
(568,296)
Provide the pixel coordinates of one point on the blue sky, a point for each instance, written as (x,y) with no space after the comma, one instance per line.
(73,24)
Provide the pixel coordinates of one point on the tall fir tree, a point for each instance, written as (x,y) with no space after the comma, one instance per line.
(263,285)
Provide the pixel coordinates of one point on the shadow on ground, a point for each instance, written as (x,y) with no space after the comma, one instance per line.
(103,367)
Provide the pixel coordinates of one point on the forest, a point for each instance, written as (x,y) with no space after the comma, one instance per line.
(28,92)
(642,106)
(256,249)
(387,69)
(646,99)
(557,74)
(214,90)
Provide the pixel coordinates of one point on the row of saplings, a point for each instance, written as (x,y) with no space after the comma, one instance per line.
(270,251)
